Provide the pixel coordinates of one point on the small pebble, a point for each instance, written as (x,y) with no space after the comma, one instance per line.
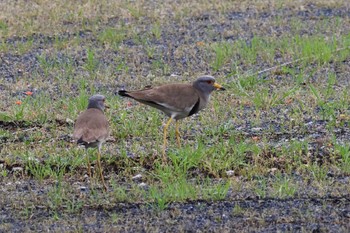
(137,177)
(143,185)
(15,169)
(230,173)
(69,121)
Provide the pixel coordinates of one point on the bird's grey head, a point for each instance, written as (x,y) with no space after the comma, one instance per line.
(97,101)
(206,84)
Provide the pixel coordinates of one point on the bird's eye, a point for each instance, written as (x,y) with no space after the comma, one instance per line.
(210,82)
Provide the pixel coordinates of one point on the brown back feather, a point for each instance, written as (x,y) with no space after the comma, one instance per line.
(179,96)
(91,126)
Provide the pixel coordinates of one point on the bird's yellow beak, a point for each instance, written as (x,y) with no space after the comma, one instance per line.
(219,87)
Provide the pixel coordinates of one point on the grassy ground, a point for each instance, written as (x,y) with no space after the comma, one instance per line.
(271,153)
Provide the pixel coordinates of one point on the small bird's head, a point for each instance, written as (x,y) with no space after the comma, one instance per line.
(207,84)
(97,101)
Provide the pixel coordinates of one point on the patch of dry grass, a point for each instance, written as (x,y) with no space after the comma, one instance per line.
(23,18)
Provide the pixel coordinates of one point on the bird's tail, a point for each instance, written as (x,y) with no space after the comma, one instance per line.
(81,142)
(123,93)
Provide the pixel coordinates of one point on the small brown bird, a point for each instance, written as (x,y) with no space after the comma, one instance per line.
(91,129)
(177,101)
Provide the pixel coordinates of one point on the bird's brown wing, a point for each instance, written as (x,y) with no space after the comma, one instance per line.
(176,97)
(91,126)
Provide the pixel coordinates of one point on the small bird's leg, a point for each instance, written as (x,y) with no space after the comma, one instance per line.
(88,162)
(177,132)
(100,168)
(164,138)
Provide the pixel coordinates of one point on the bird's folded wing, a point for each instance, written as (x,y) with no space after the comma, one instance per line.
(176,97)
(91,126)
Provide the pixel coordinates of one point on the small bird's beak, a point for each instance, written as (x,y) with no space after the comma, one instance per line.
(106,106)
(219,87)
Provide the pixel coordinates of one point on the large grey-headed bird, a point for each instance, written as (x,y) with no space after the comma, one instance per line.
(177,101)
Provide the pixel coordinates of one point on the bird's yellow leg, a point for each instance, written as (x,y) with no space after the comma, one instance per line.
(177,132)
(88,163)
(100,168)
(164,137)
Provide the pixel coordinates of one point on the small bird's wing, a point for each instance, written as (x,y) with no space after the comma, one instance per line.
(91,126)
(175,97)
